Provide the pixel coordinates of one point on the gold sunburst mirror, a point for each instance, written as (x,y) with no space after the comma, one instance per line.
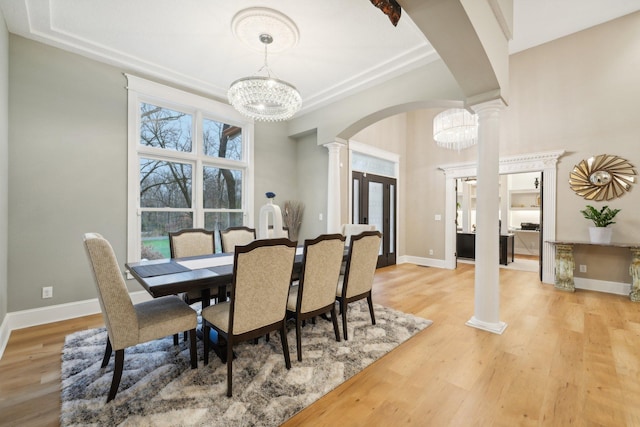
(602,177)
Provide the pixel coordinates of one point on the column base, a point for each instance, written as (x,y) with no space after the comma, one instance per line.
(496,328)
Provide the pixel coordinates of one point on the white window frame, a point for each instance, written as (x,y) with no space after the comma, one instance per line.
(145,91)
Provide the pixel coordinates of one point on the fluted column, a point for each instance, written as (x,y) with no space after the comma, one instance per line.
(333,187)
(487,271)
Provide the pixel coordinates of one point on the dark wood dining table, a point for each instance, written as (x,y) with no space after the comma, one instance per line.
(171,276)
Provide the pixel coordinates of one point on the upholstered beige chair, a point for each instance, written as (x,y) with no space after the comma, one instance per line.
(315,293)
(349,230)
(261,276)
(193,242)
(283,233)
(236,236)
(358,278)
(128,324)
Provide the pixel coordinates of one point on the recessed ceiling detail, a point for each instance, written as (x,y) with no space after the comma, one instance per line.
(248,24)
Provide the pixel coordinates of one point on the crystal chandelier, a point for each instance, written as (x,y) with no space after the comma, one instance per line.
(455,129)
(265,98)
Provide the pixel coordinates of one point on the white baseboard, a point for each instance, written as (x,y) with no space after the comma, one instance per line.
(602,286)
(426,262)
(54,313)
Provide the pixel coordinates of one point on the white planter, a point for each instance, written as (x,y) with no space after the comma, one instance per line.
(600,234)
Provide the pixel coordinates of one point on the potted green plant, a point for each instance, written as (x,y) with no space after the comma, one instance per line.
(602,218)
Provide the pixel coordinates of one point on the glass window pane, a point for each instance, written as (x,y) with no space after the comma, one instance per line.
(165,184)
(376,206)
(155,226)
(220,221)
(365,163)
(392,219)
(222,140)
(356,202)
(164,128)
(222,188)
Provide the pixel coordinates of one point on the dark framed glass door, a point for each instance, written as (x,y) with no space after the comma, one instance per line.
(374,202)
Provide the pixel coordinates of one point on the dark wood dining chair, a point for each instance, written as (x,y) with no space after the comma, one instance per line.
(236,236)
(128,324)
(261,277)
(315,293)
(358,278)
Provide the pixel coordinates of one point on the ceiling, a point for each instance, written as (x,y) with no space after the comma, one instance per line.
(343,46)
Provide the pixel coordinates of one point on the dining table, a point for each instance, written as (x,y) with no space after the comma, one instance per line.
(172,276)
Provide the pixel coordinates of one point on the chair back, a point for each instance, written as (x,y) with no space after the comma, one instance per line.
(191,242)
(261,277)
(321,263)
(274,234)
(349,230)
(236,236)
(361,263)
(117,309)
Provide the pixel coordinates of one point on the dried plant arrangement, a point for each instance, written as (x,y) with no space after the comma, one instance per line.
(292,217)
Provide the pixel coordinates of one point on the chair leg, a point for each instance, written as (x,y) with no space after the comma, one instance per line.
(184,337)
(176,337)
(373,316)
(192,348)
(229,366)
(205,332)
(107,353)
(285,344)
(343,310)
(117,375)
(299,338)
(334,319)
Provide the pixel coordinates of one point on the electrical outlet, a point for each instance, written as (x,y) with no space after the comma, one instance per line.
(430,251)
(583,268)
(438,217)
(47,292)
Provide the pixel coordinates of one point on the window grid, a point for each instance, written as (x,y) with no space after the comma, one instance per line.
(238,139)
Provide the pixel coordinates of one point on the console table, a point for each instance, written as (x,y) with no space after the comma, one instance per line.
(565,265)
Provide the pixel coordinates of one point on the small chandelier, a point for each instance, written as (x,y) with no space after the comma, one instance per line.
(455,129)
(265,98)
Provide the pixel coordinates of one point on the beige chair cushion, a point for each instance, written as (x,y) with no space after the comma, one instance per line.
(127,324)
(292,300)
(362,266)
(349,230)
(232,238)
(164,316)
(321,273)
(261,287)
(218,314)
(192,244)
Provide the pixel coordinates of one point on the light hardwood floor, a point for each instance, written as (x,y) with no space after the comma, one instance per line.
(564,359)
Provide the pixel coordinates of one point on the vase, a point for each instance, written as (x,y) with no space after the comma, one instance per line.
(600,234)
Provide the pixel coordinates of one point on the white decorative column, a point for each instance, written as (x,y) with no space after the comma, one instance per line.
(333,187)
(487,272)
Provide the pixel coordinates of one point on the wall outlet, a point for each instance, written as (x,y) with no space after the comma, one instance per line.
(47,292)
(583,268)
(319,217)
(438,217)
(430,251)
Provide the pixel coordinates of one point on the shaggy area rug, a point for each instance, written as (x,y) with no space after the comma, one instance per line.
(159,389)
